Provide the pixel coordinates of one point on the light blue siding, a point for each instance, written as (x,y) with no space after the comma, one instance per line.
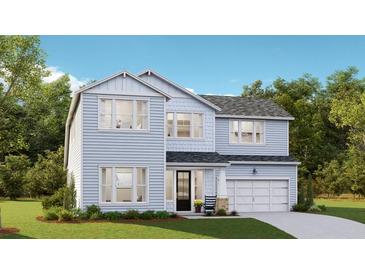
(276,139)
(268,171)
(210,188)
(118,148)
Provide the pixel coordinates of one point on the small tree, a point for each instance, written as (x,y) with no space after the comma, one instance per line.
(12,173)
(310,199)
(69,198)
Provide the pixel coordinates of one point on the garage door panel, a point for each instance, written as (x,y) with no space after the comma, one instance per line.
(244,207)
(244,191)
(244,199)
(261,200)
(279,207)
(247,184)
(230,191)
(278,183)
(261,207)
(261,191)
(230,184)
(279,191)
(279,199)
(263,184)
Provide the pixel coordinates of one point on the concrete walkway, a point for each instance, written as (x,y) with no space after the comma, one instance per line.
(311,226)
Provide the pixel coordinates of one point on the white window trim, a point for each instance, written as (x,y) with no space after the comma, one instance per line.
(239,132)
(174,126)
(134,185)
(134,114)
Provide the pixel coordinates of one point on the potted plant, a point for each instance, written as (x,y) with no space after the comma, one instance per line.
(198,205)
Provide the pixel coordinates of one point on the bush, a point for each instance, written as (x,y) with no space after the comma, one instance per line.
(56,200)
(221,212)
(198,203)
(79,214)
(173,215)
(51,214)
(93,210)
(112,216)
(322,207)
(95,216)
(314,208)
(234,213)
(69,195)
(162,215)
(147,215)
(300,208)
(65,215)
(131,214)
(208,213)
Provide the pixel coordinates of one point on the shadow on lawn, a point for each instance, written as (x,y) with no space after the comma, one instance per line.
(355,214)
(15,236)
(223,228)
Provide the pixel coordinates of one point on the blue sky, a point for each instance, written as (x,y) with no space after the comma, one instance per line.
(207,64)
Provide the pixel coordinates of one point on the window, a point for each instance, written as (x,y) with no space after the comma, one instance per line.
(123,114)
(170,124)
(106,113)
(169,185)
(184,125)
(246,132)
(199,184)
(198,125)
(124,184)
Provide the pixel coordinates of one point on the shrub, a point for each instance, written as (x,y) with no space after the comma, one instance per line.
(65,215)
(198,203)
(51,214)
(322,207)
(147,215)
(300,208)
(162,215)
(314,208)
(56,200)
(95,216)
(112,216)
(233,213)
(93,210)
(131,214)
(79,214)
(69,195)
(173,215)
(221,212)
(208,213)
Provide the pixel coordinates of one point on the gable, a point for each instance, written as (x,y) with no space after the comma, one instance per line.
(123,84)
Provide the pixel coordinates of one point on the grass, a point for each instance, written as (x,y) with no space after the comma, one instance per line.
(22,214)
(344,208)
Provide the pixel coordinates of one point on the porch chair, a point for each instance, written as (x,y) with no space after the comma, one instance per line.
(209,205)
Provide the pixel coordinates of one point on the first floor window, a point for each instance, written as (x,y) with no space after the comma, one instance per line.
(199,184)
(169,185)
(246,132)
(124,184)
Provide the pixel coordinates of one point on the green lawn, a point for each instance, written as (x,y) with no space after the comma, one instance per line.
(21,214)
(345,208)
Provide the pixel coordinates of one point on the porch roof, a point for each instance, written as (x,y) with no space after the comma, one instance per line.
(195,157)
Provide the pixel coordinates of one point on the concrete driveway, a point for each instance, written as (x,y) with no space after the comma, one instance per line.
(311,226)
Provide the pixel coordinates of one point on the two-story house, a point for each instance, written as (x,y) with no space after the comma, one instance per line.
(145,143)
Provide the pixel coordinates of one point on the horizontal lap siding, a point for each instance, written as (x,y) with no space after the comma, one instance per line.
(276,133)
(74,158)
(191,105)
(129,148)
(268,171)
(209,182)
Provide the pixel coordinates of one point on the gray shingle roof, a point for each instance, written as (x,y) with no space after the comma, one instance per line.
(214,157)
(246,106)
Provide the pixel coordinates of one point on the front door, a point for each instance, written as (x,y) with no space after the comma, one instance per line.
(183,190)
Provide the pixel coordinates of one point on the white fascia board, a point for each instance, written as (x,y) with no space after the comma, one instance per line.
(171,164)
(201,99)
(263,163)
(254,117)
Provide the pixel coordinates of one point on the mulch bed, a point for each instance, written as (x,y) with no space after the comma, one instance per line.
(128,221)
(8,230)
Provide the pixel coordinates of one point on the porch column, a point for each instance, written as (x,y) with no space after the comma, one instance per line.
(222,197)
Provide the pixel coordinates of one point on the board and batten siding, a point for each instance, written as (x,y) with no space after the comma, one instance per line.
(276,139)
(268,171)
(75,154)
(105,147)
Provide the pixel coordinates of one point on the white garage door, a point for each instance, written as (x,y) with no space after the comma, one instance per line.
(258,195)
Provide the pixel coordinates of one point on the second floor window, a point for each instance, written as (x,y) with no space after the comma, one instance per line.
(184,125)
(246,132)
(123,114)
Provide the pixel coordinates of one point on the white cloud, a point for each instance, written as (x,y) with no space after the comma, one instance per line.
(55,73)
(191,90)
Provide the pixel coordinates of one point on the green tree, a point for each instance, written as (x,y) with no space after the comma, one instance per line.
(12,173)
(47,175)
(22,63)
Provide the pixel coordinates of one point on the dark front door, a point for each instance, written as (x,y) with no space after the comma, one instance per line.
(183,190)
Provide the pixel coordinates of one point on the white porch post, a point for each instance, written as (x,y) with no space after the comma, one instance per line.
(222,197)
(222,184)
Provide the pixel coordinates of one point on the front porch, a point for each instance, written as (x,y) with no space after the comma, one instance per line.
(192,178)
